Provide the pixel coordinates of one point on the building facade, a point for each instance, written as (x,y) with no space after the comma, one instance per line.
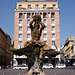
(49,13)
(69,49)
(5,54)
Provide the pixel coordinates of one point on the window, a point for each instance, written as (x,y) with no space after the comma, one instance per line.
(45,29)
(28,15)
(45,21)
(20,36)
(29,6)
(20,21)
(52,21)
(45,42)
(14,62)
(28,29)
(45,36)
(44,6)
(53,43)
(20,28)
(28,21)
(41,15)
(52,15)
(48,14)
(20,15)
(32,14)
(37,6)
(24,15)
(20,44)
(28,36)
(20,6)
(53,36)
(54,6)
(53,28)
(44,15)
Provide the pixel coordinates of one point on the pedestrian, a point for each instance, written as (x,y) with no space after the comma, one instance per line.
(2,66)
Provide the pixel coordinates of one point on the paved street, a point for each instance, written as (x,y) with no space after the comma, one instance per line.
(60,72)
(47,72)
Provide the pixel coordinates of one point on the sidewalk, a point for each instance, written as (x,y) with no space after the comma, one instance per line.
(70,67)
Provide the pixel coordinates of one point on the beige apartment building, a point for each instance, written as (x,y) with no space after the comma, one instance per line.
(5,54)
(69,50)
(24,12)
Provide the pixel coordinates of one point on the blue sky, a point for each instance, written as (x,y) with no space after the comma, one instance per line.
(67,18)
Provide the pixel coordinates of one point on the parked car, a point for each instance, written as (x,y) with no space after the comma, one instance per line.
(20,67)
(73,64)
(48,66)
(60,66)
(0,67)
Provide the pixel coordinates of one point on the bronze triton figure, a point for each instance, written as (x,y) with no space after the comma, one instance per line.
(36,30)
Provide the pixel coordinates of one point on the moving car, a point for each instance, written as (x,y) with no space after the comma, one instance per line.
(48,66)
(20,67)
(60,66)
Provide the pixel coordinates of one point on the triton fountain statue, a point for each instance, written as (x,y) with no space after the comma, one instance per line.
(38,47)
(35,49)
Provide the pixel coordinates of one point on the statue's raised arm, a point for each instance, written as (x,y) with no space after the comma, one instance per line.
(30,24)
(42,27)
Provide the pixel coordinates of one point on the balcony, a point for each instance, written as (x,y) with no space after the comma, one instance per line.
(53,47)
(34,9)
(20,31)
(53,31)
(20,24)
(20,39)
(28,39)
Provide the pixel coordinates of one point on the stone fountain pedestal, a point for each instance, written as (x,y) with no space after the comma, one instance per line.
(35,72)
(36,69)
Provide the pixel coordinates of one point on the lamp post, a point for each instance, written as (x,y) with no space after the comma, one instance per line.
(12,46)
(11,60)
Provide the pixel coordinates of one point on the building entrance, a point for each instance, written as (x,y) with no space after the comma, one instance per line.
(19,61)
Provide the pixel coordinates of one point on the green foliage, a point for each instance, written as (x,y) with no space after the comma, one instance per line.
(19,52)
(14,50)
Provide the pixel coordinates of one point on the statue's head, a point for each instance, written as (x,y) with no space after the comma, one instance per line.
(37,18)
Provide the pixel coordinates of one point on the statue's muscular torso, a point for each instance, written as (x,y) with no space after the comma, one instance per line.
(36,31)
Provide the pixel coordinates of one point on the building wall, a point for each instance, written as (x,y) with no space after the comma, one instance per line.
(33,4)
(69,48)
(5,54)
(48,19)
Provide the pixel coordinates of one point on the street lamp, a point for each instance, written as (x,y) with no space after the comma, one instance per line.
(11,60)
(12,45)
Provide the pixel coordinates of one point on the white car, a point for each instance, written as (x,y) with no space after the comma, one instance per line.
(73,64)
(20,67)
(48,66)
(0,67)
(60,66)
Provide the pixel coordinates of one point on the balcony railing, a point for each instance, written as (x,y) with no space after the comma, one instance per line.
(34,9)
